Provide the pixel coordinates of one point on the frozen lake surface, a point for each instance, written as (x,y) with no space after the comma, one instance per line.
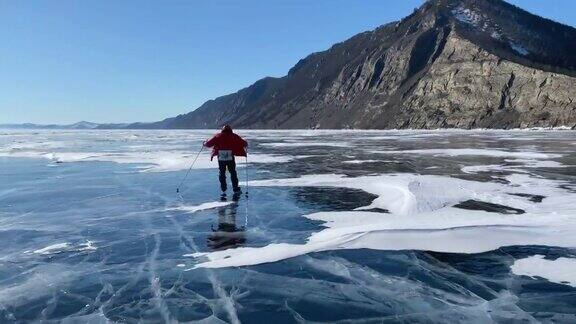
(349,226)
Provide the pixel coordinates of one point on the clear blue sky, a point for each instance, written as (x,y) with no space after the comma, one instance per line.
(117,61)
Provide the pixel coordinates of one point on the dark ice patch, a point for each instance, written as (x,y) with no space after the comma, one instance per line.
(532,198)
(567,187)
(333,199)
(489,207)
(377,210)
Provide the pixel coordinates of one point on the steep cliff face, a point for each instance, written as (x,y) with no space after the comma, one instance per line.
(468,87)
(452,63)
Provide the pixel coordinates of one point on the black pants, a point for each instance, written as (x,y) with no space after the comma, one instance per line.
(231,165)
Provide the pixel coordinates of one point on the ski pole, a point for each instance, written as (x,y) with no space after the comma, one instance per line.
(246,204)
(188,172)
(246,172)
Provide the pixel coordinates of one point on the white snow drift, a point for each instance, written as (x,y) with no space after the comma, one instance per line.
(561,270)
(422,217)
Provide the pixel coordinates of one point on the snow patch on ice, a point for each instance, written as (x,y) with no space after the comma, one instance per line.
(524,163)
(363,161)
(88,246)
(305,144)
(537,163)
(482,168)
(66,247)
(404,193)
(54,248)
(422,217)
(161,161)
(477,152)
(176,162)
(561,270)
(204,206)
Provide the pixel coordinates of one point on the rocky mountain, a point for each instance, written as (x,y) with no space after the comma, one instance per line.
(451,63)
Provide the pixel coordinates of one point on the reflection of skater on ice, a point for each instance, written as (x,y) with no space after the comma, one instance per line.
(227,234)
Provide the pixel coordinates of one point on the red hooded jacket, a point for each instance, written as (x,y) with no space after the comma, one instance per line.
(227,140)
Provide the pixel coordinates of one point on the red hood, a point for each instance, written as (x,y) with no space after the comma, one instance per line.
(227,141)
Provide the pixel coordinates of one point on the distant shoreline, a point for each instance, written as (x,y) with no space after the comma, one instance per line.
(559,128)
